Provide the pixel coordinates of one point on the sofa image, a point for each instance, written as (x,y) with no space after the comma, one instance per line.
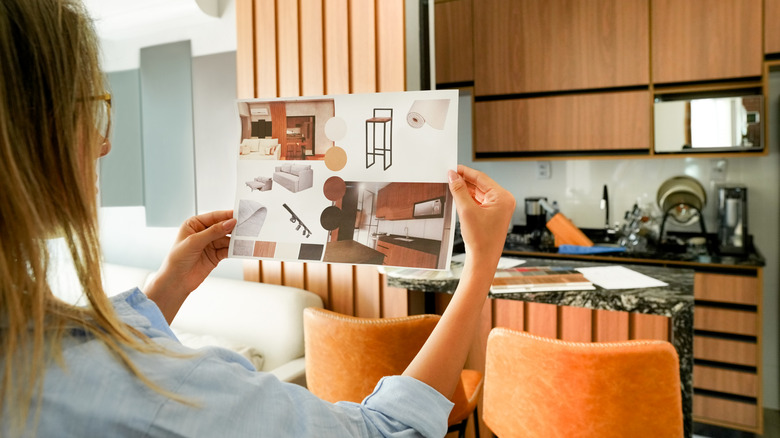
(261,183)
(260,149)
(294,177)
(262,322)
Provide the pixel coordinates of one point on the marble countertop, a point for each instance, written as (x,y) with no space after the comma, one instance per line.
(668,300)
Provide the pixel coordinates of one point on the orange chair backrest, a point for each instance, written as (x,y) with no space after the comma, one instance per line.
(538,387)
(346,356)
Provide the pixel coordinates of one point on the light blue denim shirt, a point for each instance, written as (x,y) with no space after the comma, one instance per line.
(94,395)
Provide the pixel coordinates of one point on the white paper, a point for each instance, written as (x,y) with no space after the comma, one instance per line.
(312,174)
(619,277)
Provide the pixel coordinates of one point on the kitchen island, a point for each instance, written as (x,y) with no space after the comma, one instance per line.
(674,301)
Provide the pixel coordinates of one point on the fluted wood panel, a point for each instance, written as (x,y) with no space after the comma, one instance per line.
(288,54)
(575,324)
(310,47)
(312,53)
(264,26)
(610,326)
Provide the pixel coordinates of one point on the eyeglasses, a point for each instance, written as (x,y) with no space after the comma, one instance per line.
(103,117)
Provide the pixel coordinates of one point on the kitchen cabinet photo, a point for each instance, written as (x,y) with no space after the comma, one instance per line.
(391,224)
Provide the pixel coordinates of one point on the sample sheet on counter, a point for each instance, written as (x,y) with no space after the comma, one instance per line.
(356,179)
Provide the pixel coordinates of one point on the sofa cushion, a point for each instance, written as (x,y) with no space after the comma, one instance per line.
(296,169)
(196,341)
(286,168)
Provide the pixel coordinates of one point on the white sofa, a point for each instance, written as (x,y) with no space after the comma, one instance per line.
(263,322)
(294,177)
(260,149)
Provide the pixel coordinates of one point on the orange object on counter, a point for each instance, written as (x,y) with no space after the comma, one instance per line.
(566,233)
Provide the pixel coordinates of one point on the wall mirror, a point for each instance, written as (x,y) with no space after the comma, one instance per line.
(712,124)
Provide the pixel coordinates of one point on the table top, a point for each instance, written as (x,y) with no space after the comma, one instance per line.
(668,300)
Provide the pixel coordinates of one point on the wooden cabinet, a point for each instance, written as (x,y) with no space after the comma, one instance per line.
(396,255)
(548,45)
(395,201)
(727,350)
(771,27)
(454,36)
(702,40)
(579,122)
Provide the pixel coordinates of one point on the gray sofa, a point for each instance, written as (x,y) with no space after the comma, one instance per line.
(294,177)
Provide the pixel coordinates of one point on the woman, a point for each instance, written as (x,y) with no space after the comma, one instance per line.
(112,367)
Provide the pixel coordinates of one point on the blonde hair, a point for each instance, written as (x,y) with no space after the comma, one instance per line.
(49,80)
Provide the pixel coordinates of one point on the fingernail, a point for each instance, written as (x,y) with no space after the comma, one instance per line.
(452,175)
(229,224)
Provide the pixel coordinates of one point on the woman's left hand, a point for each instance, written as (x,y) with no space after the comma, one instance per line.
(201,244)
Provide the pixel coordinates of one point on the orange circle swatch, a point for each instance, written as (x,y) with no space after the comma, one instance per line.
(335,158)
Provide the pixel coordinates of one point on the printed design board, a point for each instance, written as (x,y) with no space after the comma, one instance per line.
(355,179)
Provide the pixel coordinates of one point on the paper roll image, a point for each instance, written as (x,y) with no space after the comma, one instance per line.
(430,111)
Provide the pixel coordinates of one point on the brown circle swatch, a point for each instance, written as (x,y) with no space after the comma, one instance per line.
(335,158)
(330,218)
(334,188)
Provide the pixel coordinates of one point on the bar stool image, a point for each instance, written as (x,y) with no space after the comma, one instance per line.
(386,151)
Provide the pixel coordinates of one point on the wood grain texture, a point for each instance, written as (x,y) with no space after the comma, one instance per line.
(318,281)
(725,380)
(312,59)
(698,40)
(271,272)
(725,320)
(367,292)
(549,45)
(771,28)
(610,326)
(575,324)
(509,314)
(643,326)
(454,35)
(390,46)
(726,288)
(395,300)
(245,50)
(724,412)
(541,319)
(336,31)
(342,289)
(288,53)
(294,275)
(585,122)
(265,49)
(362,46)
(725,350)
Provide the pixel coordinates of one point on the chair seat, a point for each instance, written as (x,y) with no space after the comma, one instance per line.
(466,396)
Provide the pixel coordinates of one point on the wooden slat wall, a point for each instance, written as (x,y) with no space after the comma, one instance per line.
(311,48)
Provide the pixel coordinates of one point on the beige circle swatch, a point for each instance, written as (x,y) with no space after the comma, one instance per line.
(335,128)
(335,158)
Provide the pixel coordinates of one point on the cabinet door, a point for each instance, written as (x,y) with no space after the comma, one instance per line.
(586,122)
(454,41)
(548,45)
(698,40)
(771,28)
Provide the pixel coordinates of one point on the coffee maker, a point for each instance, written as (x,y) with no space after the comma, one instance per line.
(733,237)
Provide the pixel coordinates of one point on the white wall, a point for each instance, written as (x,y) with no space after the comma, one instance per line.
(577,186)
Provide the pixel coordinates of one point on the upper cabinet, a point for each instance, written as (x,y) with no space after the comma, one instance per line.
(702,40)
(579,77)
(552,45)
(454,41)
(771,29)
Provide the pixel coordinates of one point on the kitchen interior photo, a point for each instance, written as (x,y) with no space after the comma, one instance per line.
(392,224)
(597,111)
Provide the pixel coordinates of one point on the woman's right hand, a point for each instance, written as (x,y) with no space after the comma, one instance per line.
(485,210)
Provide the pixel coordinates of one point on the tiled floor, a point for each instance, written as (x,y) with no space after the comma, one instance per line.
(771,428)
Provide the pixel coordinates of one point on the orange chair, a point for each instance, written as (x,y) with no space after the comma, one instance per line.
(538,387)
(346,356)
